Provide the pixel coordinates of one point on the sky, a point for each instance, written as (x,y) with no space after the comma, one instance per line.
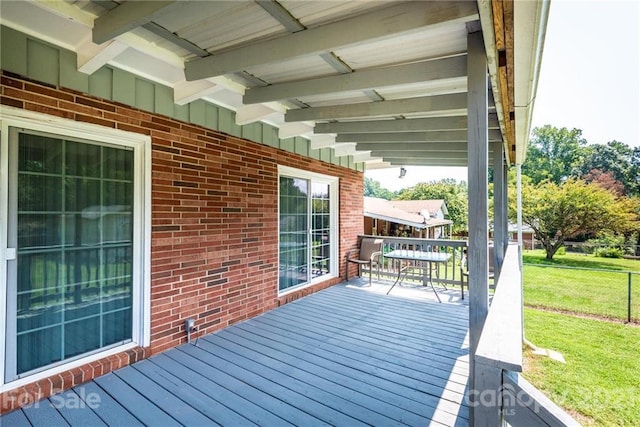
(589,80)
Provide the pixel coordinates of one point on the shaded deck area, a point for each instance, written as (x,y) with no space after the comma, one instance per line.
(344,356)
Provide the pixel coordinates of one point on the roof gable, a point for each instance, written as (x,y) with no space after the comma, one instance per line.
(419,206)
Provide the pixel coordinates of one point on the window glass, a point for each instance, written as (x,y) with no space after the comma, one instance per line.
(306,244)
(75,236)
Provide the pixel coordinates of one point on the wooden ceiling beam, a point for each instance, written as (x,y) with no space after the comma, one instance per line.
(436,136)
(281,14)
(408,147)
(400,125)
(387,22)
(126,17)
(453,69)
(450,105)
(409,161)
(427,154)
(509,46)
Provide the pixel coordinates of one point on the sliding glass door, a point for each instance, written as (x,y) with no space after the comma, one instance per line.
(307,235)
(69,291)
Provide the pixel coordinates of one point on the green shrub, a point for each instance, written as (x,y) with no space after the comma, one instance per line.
(608,245)
(609,252)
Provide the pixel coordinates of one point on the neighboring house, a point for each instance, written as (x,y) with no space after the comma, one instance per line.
(406,218)
(528,238)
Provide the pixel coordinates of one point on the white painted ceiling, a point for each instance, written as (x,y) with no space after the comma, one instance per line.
(356,37)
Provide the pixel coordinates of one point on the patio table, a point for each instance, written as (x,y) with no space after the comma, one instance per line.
(422,257)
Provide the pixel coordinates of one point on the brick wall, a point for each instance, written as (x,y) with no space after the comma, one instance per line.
(214,248)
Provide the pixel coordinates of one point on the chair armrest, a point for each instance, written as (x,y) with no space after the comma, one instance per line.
(351,252)
(375,255)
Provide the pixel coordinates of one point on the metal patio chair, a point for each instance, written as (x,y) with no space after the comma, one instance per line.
(464,270)
(369,254)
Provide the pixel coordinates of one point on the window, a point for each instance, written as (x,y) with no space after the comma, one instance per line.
(75,222)
(308,228)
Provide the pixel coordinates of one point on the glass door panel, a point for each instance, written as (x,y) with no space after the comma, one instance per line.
(294,232)
(72,287)
(320,230)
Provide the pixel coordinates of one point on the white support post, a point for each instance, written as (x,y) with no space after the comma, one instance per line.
(478,160)
(500,239)
(519,204)
(505,202)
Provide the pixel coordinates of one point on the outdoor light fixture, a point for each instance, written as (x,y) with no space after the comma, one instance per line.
(190,326)
(403,172)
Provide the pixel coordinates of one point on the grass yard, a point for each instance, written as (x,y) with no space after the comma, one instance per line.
(600,383)
(581,260)
(599,293)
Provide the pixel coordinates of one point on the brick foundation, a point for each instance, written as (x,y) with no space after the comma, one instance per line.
(214,248)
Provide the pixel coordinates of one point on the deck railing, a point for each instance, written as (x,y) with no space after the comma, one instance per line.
(451,273)
(500,394)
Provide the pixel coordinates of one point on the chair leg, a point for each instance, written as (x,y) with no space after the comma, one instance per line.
(370,273)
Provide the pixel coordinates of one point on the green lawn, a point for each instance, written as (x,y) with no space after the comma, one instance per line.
(600,293)
(599,383)
(581,260)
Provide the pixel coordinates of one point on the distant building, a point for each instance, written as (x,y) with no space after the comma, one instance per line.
(406,218)
(528,239)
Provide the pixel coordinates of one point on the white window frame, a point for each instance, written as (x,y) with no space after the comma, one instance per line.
(333,182)
(141,145)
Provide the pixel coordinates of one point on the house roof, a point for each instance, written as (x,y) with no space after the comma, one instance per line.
(383,82)
(391,210)
(419,206)
(383,209)
(435,222)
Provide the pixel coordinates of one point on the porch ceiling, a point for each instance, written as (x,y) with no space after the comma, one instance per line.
(384,81)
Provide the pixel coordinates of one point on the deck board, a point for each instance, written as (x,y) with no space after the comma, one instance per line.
(42,413)
(399,402)
(348,399)
(134,402)
(407,335)
(350,412)
(15,418)
(420,370)
(109,410)
(176,408)
(217,384)
(76,412)
(343,356)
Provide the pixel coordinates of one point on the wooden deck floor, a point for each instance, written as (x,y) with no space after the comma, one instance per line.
(343,356)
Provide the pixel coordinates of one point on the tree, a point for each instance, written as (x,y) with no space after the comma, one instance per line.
(616,158)
(373,188)
(553,154)
(558,212)
(453,193)
(605,180)
(631,227)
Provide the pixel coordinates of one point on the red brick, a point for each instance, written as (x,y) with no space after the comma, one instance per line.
(11,102)
(95,120)
(214,218)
